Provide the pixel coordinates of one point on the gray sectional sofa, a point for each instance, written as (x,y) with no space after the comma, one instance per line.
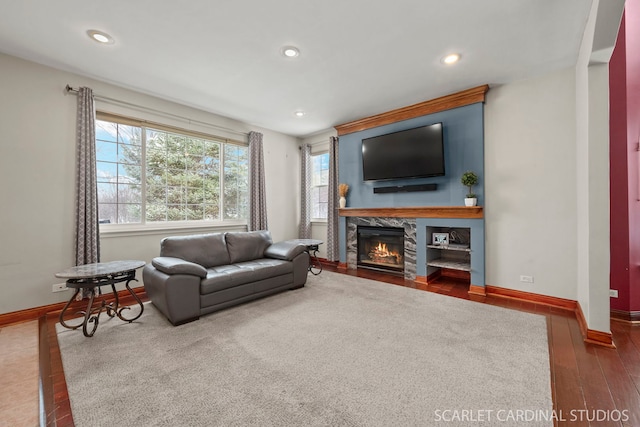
(199,274)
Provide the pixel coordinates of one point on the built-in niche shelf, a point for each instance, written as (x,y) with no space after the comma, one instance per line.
(451,264)
(454,255)
(450,247)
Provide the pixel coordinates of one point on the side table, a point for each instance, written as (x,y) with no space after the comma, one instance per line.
(315,267)
(92,277)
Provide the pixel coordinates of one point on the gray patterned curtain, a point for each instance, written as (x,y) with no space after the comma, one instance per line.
(87,233)
(258,205)
(305,192)
(333,252)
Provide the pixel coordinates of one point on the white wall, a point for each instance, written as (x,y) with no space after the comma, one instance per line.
(37,167)
(592,159)
(598,307)
(530,185)
(547,194)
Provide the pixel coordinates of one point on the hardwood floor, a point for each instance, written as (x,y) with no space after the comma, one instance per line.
(588,381)
(19,375)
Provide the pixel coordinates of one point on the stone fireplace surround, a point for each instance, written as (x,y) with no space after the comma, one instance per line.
(409,225)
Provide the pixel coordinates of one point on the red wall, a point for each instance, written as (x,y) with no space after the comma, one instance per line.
(624,93)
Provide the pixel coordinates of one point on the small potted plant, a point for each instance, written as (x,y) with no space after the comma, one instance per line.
(343,189)
(469,179)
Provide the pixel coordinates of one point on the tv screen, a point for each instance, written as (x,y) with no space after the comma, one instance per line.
(412,153)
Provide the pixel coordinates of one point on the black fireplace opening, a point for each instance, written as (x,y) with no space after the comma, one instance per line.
(381,248)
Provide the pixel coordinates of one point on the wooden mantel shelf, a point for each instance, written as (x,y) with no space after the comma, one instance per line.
(417,212)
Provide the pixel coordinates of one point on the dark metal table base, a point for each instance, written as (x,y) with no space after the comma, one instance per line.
(315,266)
(92,314)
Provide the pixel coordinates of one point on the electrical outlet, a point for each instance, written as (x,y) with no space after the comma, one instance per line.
(59,287)
(613,293)
(526,279)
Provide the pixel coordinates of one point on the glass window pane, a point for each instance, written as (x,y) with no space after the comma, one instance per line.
(211,212)
(324,177)
(128,193)
(129,174)
(107,151)
(212,195)
(129,134)
(156,161)
(194,195)
(195,212)
(129,213)
(106,172)
(316,213)
(156,212)
(156,194)
(130,154)
(174,195)
(324,161)
(323,194)
(176,213)
(156,141)
(108,213)
(107,192)
(106,131)
(319,185)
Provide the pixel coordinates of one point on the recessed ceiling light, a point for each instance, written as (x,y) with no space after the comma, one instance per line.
(100,37)
(299,113)
(290,51)
(451,59)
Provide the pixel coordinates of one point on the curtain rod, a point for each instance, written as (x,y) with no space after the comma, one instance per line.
(70,89)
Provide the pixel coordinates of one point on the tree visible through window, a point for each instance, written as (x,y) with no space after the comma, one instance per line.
(185,178)
(319,185)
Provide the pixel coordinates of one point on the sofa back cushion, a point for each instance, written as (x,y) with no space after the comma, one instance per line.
(208,250)
(247,245)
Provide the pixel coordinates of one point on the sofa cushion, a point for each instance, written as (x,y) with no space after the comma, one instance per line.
(208,250)
(247,245)
(227,276)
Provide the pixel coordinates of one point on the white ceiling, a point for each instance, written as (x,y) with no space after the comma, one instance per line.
(358,57)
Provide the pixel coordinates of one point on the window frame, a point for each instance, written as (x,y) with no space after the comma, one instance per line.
(312,186)
(159,227)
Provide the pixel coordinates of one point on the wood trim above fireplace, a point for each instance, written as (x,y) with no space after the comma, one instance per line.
(458,99)
(417,212)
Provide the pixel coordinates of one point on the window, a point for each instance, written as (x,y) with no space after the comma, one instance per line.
(148,173)
(319,185)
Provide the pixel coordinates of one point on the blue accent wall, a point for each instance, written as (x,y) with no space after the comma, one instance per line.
(463,133)
(463,129)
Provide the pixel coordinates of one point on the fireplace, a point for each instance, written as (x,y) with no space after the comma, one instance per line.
(381,248)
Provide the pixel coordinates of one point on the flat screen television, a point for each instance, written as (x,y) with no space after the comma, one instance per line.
(411,153)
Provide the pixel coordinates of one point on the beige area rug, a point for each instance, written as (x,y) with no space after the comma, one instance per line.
(342,351)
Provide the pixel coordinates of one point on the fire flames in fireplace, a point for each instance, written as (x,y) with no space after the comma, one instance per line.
(381,255)
(381,248)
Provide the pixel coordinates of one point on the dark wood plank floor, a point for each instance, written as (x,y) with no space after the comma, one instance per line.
(588,382)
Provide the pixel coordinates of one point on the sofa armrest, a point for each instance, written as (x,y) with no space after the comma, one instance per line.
(284,250)
(171,265)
